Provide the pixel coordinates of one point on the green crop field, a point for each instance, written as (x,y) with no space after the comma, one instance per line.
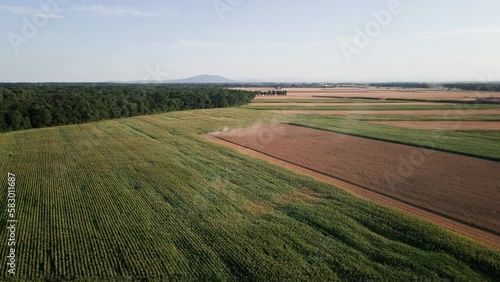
(382,117)
(149,198)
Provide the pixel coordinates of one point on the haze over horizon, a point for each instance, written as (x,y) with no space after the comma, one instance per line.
(382,40)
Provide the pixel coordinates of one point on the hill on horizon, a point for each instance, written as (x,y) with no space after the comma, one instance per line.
(205,78)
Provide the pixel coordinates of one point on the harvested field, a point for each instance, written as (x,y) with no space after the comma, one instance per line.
(456,187)
(442,113)
(444,125)
(382,93)
(344,104)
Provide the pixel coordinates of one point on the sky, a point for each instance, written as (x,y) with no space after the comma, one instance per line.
(258,40)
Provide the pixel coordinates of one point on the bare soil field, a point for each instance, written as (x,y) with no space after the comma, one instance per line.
(347,104)
(443,113)
(382,93)
(444,125)
(456,188)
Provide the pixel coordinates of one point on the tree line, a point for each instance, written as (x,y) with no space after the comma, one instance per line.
(25,106)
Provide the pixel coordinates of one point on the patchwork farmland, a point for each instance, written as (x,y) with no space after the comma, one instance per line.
(152,198)
(232,140)
(410,175)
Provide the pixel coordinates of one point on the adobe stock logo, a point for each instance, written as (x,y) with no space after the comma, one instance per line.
(224,6)
(370,31)
(48,9)
(155,75)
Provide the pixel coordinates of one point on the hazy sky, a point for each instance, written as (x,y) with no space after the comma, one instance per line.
(322,40)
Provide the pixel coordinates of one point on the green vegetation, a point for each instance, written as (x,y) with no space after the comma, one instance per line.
(426,117)
(149,198)
(381,107)
(24,106)
(481,143)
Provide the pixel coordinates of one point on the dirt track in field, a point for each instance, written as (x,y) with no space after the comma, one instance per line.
(444,125)
(460,193)
(443,113)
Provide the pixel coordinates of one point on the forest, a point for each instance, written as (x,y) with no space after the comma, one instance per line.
(25,106)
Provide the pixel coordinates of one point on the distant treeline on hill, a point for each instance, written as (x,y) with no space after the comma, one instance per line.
(24,106)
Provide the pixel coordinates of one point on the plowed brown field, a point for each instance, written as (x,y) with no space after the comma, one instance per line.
(461,193)
(443,113)
(348,104)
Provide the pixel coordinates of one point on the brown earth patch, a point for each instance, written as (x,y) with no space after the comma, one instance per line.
(460,193)
(347,104)
(256,208)
(305,195)
(444,125)
(443,113)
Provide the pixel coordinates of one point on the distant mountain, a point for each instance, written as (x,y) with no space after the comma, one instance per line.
(203,79)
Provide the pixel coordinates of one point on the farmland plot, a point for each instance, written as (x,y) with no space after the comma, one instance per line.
(462,188)
(148,198)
